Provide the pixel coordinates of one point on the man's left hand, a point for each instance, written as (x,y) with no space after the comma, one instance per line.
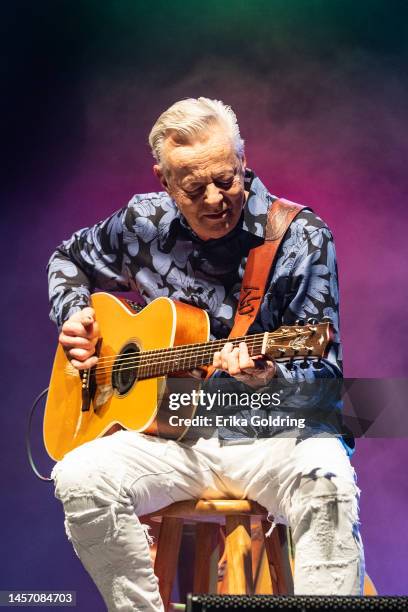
(253,371)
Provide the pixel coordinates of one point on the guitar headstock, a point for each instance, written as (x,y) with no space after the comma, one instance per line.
(289,341)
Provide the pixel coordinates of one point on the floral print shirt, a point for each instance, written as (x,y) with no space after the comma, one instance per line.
(148,247)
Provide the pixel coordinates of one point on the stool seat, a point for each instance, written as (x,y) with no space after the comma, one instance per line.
(210,510)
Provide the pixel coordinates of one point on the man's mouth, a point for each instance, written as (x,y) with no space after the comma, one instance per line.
(220,215)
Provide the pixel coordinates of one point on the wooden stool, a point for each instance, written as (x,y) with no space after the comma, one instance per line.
(236,515)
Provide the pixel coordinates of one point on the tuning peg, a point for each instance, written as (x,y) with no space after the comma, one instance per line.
(318,365)
(327,320)
(305,363)
(312,321)
(300,322)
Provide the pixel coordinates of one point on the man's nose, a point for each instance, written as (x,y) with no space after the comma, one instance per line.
(212,196)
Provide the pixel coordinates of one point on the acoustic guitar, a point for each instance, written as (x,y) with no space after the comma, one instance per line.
(140,356)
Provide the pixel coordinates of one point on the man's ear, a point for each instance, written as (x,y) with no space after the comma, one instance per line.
(157,170)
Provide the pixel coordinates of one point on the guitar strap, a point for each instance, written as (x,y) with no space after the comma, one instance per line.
(259,265)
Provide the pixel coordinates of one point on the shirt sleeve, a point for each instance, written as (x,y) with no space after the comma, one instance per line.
(312,292)
(93,257)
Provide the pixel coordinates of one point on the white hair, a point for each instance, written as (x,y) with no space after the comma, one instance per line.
(188,119)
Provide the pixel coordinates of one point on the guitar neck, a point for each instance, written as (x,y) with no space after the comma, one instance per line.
(286,342)
(162,362)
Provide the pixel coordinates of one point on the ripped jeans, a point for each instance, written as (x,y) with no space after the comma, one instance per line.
(106,484)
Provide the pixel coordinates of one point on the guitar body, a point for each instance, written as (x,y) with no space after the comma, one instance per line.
(141,360)
(119,402)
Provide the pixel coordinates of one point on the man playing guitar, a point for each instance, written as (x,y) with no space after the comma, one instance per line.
(190,242)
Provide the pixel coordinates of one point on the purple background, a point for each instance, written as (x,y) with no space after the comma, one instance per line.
(321,99)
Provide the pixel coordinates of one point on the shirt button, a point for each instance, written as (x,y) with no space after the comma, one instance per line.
(195,253)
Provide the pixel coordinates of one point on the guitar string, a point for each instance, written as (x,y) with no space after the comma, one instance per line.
(151,365)
(179,360)
(141,362)
(200,346)
(178,366)
(176,353)
(154,353)
(150,371)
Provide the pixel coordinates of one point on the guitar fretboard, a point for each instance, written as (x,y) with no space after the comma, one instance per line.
(180,358)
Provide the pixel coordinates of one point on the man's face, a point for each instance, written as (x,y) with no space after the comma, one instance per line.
(206,180)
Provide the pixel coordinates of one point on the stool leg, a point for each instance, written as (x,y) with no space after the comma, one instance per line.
(206,558)
(369,588)
(260,564)
(239,562)
(277,549)
(168,547)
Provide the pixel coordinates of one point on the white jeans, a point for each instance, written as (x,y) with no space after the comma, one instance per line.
(106,484)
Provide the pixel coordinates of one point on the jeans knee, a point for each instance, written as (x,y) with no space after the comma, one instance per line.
(325,503)
(83,475)
(324,521)
(90,490)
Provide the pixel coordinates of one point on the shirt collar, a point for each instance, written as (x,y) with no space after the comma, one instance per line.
(257,205)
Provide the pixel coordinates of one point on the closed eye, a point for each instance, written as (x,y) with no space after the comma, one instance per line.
(194,192)
(224,184)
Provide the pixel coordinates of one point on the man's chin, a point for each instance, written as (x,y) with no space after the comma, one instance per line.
(217,228)
(220,231)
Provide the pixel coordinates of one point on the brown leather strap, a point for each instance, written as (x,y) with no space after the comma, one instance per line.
(258,266)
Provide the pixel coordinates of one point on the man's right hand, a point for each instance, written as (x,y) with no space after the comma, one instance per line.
(79,336)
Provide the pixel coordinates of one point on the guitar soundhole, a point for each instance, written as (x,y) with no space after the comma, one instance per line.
(124,372)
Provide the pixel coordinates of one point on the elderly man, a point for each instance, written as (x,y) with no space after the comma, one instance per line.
(190,242)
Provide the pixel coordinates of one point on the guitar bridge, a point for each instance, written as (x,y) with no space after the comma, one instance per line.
(88,382)
(86,399)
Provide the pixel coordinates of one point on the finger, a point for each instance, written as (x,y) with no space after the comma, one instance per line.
(80,354)
(86,316)
(76,328)
(232,362)
(76,342)
(225,351)
(84,365)
(217,363)
(245,361)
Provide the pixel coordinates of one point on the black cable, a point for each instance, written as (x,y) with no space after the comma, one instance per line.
(28,434)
